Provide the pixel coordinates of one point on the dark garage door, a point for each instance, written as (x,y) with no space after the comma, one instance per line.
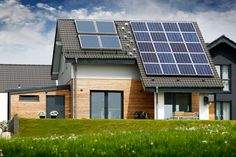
(55,103)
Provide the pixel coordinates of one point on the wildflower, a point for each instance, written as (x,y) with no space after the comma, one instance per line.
(226,142)
(95,140)
(93,149)
(151,143)
(133,151)
(103,153)
(204,141)
(224,133)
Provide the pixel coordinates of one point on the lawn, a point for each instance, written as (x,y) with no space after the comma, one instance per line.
(67,137)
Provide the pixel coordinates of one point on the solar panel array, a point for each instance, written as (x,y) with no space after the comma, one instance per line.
(98,34)
(168,48)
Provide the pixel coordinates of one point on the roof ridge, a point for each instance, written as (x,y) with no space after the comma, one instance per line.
(25,64)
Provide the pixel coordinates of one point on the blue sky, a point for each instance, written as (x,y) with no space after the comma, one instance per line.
(27,27)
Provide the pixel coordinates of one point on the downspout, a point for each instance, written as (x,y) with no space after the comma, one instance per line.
(74,89)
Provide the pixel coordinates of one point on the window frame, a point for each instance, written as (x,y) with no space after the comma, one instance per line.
(229,76)
(22,98)
(106,103)
(221,109)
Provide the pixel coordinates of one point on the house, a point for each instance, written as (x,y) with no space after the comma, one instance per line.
(26,89)
(116,68)
(223,52)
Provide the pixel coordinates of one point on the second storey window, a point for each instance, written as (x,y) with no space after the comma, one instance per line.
(224,73)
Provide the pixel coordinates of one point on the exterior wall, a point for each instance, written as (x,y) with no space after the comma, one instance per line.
(65,73)
(211,111)
(134,98)
(159,105)
(195,102)
(3,106)
(225,55)
(108,71)
(31,109)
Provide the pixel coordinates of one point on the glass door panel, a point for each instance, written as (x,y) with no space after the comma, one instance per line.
(226,111)
(114,105)
(98,105)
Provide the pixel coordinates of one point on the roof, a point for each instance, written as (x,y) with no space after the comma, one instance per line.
(221,40)
(14,76)
(39,89)
(67,38)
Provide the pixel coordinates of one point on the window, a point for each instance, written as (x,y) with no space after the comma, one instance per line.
(175,102)
(224,73)
(223,110)
(106,104)
(30,98)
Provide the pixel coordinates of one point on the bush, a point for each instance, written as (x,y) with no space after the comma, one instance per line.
(4,126)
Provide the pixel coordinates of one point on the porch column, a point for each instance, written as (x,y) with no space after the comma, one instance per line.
(159,105)
(203,108)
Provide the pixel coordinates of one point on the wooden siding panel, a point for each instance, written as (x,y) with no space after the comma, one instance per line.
(135,99)
(26,109)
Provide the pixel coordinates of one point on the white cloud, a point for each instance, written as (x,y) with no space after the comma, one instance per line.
(23,38)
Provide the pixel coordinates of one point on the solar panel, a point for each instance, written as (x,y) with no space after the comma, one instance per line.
(174,37)
(106,27)
(85,26)
(152,69)
(142,36)
(110,42)
(158,37)
(190,37)
(166,58)
(170,69)
(154,26)
(98,35)
(170,48)
(149,57)
(99,42)
(89,41)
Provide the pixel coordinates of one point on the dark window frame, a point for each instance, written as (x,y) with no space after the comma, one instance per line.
(29,98)
(106,102)
(229,79)
(173,98)
(221,108)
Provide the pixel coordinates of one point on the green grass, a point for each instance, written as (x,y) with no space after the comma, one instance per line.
(63,137)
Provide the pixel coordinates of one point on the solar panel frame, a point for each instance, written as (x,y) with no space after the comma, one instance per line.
(187,44)
(100,43)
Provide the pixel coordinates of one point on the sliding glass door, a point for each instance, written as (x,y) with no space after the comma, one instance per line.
(106,104)
(175,102)
(223,110)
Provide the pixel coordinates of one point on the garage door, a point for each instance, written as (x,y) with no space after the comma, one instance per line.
(55,103)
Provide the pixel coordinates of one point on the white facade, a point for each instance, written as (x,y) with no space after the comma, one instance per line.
(159,107)
(108,72)
(203,108)
(3,106)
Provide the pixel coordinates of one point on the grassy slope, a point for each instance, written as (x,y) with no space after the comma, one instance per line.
(49,127)
(122,138)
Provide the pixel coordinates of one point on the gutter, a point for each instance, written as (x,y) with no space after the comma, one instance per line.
(74,90)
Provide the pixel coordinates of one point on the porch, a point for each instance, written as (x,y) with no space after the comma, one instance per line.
(183,106)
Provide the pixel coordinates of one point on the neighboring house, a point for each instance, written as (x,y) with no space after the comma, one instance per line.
(116,68)
(26,89)
(223,52)
(20,76)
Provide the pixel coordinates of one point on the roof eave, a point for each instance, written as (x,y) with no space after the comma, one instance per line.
(184,89)
(221,39)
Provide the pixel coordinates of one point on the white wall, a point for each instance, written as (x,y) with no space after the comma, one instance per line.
(108,72)
(65,72)
(203,109)
(3,106)
(159,102)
